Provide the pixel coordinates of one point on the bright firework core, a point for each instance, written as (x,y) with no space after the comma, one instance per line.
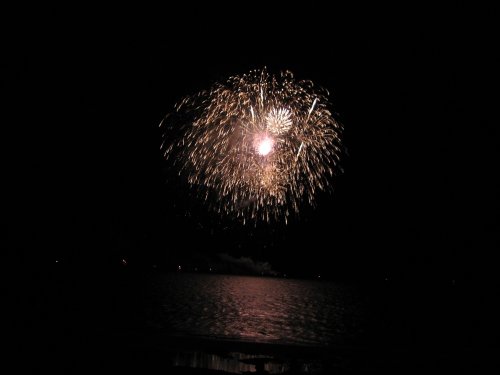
(265,145)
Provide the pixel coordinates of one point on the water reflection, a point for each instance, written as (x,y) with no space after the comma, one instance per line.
(233,362)
(256,309)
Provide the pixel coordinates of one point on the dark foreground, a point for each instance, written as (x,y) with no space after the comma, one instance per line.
(76,323)
(150,353)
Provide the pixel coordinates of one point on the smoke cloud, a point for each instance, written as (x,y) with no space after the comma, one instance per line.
(246,265)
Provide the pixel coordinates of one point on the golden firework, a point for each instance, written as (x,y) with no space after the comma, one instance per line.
(255,146)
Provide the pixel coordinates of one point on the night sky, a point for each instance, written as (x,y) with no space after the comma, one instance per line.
(418,198)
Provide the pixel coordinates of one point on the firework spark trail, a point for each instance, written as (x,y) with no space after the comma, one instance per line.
(256,145)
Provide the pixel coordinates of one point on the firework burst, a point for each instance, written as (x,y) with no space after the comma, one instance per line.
(255,146)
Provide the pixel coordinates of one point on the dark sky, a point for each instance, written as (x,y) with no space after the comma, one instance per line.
(88,89)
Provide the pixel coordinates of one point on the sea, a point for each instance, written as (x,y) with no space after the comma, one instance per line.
(257,309)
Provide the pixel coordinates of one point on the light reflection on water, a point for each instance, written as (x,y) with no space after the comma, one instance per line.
(233,362)
(257,309)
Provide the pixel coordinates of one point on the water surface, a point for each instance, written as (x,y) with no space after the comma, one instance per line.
(257,309)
